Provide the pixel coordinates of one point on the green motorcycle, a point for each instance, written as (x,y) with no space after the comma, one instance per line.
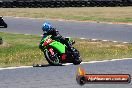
(57,53)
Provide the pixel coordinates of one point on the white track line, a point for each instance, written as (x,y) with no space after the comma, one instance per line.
(100,61)
(125,42)
(114,41)
(104,40)
(82,38)
(9,68)
(94,39)
(106,60)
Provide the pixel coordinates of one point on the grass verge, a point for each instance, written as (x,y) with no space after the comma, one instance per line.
(19,49)
(106,14)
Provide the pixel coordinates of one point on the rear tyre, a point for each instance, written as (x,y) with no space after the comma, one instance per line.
(52,60)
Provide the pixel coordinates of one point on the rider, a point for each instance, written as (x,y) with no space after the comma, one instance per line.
(49,30)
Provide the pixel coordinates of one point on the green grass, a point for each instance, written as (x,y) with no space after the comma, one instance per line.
(19,49)
(108,14)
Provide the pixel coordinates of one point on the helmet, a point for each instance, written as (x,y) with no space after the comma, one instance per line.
(46,27)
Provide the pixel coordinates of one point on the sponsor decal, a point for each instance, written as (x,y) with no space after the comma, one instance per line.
(83,78)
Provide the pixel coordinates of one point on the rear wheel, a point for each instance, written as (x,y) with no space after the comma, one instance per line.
(52,59)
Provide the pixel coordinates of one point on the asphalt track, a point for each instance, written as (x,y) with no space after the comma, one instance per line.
(89,30)
(65,76)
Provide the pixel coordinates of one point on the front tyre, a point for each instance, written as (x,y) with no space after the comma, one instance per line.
(77,62)
(52,60)
(77,59)
(5,26)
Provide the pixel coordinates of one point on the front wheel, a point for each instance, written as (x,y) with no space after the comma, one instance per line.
(77,62)
(52,59)
(77,59)
(5,26)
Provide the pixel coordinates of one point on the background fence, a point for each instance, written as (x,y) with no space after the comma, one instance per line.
(62,3)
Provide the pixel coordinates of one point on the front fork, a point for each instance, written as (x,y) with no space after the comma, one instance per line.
(62,56)
(51,51)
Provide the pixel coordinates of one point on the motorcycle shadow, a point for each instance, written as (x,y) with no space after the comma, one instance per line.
(45,65)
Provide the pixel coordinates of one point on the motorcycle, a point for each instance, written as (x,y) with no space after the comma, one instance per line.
(57,53)
(2,23)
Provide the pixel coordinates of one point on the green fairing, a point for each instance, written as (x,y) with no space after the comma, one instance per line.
(57,45)
(44,39)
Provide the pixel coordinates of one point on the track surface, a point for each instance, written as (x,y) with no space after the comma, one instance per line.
(65,76)
(89,30)
(62,76)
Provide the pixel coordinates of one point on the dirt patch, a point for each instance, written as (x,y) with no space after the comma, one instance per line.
(5,45)
(121,46)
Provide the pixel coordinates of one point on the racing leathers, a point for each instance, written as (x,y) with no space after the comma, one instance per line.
(56,36)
